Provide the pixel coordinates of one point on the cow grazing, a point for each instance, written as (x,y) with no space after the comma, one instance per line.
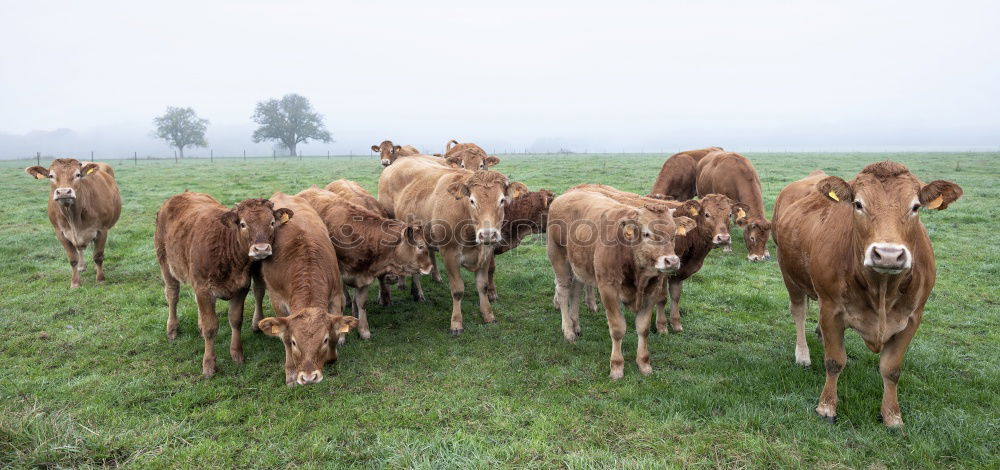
(699,154)
(303,282)
(527,214)
(463,213)
(388,152)
(368,246)
(677,178)
(859,248)
(732,175)
(201,242)
(623,251)
(84,204)
(468,155)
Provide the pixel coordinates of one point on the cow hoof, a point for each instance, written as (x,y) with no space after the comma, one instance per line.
(74,285)
(208,372)
(828,413)
(617,374)
(678,328)
(384,303)
(893,421)
(805,363)
(662,329)
(436,278)
(456,331)
(365,334)
(171,333)
(491,297)
(237,357)
(419,298)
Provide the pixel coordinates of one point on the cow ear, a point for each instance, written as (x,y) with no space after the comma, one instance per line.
(655,208)
(515,190)
(549,197)
(39,172)
(684,225)
(230,217)
(341,324)
(492,160)
(454,162)
(739,212)
(89,169)
(459,190)
(836,189)
(938,194)
(273,326)
(395,148)
(412,231)
(691,208)
(375,148)
(283,215)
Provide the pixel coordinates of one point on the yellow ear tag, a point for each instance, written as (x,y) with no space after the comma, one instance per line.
(740,214)
(275,330)
(681,231)
(91,170)
(629,232)
(936,202)
(343,329)
(694,212)
(284,218)
(833,196)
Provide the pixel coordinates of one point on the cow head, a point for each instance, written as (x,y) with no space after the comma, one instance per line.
(716,210)
(310,337)
(64,175)
(486,194)
(411,253)
(886,200)
(387,152)
(472,159)
(649,234)
(531,209)
(257,221)
(756,231)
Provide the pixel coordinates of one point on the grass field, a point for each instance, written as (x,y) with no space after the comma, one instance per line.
(89,379)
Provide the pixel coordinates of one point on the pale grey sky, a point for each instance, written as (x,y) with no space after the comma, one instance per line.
(598,76)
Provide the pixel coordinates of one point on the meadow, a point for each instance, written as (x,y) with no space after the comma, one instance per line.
(89,379)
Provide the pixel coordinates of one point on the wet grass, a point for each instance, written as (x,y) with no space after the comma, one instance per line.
(88,378)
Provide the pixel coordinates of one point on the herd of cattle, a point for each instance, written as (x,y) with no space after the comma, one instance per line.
(857,247)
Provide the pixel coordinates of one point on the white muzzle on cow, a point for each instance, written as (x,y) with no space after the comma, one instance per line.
(888,258)
(488,236)
(64,195)
(305,379)
(668,263)
(385,162)
(259,251)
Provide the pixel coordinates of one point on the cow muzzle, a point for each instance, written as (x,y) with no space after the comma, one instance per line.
(385,163)
(259,251)
(763,257)
(888,258)
(304,378)
(64,195)
(721,239)
(487,236)
(668,263)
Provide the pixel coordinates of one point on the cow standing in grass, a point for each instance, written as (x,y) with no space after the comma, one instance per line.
(84,204)
(203,243)
(859,248)
(732,175)
(389,152)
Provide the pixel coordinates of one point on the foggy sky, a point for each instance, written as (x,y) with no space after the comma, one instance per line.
(609,76)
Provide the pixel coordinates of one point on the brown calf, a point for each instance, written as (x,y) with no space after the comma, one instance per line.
(462,211)
(698,154)
(624,251)
(368,246)
(859,248)
(84,204)
(201,242)
(390,152)
(527,214)
(732,175)
(303,282)
(468,155)
(677,178)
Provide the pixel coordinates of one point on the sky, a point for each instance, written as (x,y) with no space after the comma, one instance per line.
(632,76)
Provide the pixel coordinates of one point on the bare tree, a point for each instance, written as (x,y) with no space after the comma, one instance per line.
(181,127)
(290,121)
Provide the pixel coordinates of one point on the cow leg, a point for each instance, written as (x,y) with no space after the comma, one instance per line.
(435,274)
(384,295)
(99,242)
(890,366)
(236,304)
(258,301)
(417,289)
(642,321)
(402,282)
(491,289)
(82,265)
(482,284)
(564,284)
(74,259)
(675,287)
(591,299)
(835,358)
(451,263)
(616,327)
(208,322)
(799,306)
(360,297)
(171,290)
(661,317)
(574,305)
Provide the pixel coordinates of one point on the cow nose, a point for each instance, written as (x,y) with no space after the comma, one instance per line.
(888,256)
(721,239)
(487,236)
(260,250)
(309,378)
(64,193)
(668,263)
(385,162)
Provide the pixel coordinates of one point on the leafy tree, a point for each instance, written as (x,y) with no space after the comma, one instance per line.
(290,121)
(181,127)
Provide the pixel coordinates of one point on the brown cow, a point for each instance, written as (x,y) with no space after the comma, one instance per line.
(526,215)
(859,248)
(368,246)
(303,282)
(468,155)
(201,242)
(733,175)
(677,178)
(624,251)
(390,152)
(463,212)
(83,206)
(699,154)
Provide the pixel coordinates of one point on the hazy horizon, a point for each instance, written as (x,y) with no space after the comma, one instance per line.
(636,77)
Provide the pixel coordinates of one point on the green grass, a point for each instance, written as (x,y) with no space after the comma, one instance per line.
(89,379)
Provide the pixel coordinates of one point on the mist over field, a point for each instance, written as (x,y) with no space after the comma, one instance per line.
(627,77)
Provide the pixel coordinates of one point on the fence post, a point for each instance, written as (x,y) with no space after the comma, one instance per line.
(211,155)
(91,155)
(327,154)
(244,154)
(38,158)
(274,154)
(175,156)
(135,158)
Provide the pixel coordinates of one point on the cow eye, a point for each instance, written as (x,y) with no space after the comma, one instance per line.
(243,224)
(916,207)
(52,175)
(707,215)
(857,205)
(646,235)
(78,174)
(472,201)
(294,344)
(272,224)
(326,341)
